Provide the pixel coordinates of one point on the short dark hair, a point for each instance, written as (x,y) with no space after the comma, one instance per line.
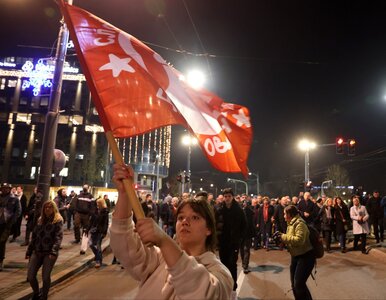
(202,194)
(291,210)
(228,191)
(201,206)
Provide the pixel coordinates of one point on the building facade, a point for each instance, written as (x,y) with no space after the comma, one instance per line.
(25,85)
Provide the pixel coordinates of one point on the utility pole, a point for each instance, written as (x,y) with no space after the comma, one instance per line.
(51,121)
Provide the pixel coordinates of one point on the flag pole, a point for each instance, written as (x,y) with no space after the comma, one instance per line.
(127,183)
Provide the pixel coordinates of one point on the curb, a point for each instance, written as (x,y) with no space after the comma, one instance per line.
(65,274)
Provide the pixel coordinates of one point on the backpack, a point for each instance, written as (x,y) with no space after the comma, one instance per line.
(316,241)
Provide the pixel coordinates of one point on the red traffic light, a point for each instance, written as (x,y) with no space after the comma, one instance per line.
(339,145)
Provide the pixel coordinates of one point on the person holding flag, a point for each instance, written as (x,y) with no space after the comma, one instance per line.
(161,264)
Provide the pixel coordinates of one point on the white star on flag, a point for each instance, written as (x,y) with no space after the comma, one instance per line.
(242,119)
(117,65)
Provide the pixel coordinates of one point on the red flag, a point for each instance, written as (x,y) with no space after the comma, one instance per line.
(136,91)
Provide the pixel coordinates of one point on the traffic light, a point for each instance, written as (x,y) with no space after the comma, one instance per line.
(351,146)
(187,178)
(339,145)
(179,178)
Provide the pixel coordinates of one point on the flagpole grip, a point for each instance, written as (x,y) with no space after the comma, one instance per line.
(127,183)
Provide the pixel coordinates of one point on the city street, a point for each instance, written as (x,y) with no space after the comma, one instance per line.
(339,276)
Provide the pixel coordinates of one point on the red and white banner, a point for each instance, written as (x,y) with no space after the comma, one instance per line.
(136,91)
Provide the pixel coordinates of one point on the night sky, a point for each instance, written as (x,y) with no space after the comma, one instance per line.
(313,69)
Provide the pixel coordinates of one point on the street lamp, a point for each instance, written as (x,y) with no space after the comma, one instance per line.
(241,181)
(189,141)
(257,182)
(212,186)
(306,145)
(196,79)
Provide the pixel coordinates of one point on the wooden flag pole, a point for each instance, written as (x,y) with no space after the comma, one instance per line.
(127,183)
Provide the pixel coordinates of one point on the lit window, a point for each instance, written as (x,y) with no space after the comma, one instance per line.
(35,102)
(12,83)
(23,118)
(44,101)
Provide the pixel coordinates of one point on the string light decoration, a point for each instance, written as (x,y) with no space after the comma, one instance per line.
(136,150)
(148,148)
(40,75)
(130,147)
(143,147)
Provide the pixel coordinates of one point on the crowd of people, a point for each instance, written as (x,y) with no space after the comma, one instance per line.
(234,224)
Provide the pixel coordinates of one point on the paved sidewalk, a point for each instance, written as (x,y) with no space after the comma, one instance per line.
(13,278)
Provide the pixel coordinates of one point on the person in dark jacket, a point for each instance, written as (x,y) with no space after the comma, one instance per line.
(84,208)
(328,222)
(60,201)
(70,209)
(280,222)
(376,214)
(16,227)
(44,248)
(307,208)
(231,224)
(246,244)
(97,230)
(264,221)
(29,216)
(10,210)
(342,222)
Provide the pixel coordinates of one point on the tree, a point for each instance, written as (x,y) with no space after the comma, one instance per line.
(341,180)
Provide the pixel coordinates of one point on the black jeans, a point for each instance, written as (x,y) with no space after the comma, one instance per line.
(363,241)
(300,269)
(228,256)
(96,245)
(378,228)
(5,230)
(245,252)
(70,216)
(37,260)
(80,220)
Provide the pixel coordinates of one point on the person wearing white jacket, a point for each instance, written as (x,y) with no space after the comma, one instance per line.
(359,216)
(182,269)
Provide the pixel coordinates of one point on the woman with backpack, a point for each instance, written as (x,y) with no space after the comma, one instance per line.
(302,255)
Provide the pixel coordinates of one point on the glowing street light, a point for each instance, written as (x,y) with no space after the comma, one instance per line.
(196,79)
(306,145)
